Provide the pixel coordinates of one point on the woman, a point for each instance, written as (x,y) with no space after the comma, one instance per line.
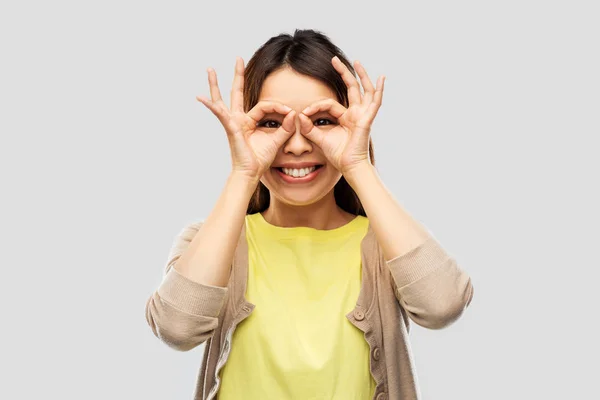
(304,277)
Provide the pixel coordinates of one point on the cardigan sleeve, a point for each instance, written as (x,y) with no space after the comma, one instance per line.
(183,313)
(430,285)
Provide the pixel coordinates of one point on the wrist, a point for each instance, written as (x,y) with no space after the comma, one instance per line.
(243,180)
(358,173)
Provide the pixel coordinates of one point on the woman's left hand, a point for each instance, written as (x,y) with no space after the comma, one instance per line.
(346,145)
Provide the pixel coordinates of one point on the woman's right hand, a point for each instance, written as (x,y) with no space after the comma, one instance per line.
(252,149)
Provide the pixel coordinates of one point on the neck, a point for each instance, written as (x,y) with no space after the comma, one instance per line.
(324,214)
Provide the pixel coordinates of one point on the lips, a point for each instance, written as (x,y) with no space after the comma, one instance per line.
(298,172)
(307,178)
(300,165)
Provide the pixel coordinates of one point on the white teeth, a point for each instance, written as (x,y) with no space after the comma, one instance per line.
(298,172)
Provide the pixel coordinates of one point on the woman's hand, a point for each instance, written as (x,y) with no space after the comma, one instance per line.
(252,150)
(346,145)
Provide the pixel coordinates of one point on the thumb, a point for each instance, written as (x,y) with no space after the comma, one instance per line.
(286,129)
(310,131)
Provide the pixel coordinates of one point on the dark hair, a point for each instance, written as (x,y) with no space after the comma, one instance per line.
(308,52)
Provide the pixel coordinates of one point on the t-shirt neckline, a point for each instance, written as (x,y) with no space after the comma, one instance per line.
(280,231)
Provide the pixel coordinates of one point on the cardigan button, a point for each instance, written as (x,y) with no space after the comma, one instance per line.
(359,315)
(376,354)
(382,396)
(246,308)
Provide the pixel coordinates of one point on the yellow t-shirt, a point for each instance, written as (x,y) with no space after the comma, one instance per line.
(298,343)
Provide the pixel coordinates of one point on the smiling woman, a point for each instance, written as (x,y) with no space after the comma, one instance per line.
(292,189)
(298,72)
(304,278)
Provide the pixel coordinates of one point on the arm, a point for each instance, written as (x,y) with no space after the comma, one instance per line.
(183,312)
(430,285)
(221,230)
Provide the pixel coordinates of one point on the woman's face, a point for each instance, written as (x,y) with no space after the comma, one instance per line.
(292,185)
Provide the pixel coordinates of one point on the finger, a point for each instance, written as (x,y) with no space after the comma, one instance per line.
(289,123)
(312,133)
(330,105)
(237,89)
(365,82)
(377,100)
(209,104)
(265,107)
(216,110)
(354,95)
(286,129)
(378,96)
(306,125)
(215,93)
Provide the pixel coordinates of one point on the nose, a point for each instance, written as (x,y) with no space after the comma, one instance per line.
(297,143)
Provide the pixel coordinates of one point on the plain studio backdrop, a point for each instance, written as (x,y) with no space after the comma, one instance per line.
(488,134)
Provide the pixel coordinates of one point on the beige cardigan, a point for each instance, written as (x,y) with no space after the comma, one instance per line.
(425,285)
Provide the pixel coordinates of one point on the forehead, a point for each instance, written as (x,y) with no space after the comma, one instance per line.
(294,89)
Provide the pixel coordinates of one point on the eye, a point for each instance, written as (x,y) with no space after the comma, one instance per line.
(329,122)
(268,123)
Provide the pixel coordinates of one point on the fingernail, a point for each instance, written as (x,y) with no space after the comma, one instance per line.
(286,108)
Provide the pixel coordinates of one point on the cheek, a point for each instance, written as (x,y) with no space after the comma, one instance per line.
(269,178)
(333,174)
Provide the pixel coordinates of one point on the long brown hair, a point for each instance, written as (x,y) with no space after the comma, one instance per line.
(308,52)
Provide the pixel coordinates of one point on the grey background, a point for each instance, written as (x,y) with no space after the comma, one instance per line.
(488,134)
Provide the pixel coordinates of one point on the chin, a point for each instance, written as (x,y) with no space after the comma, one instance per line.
(297,201)
(297,196)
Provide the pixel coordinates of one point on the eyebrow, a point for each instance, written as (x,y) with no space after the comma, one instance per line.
(319,113)
(318,99)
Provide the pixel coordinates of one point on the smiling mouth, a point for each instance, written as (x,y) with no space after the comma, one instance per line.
(300,172)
